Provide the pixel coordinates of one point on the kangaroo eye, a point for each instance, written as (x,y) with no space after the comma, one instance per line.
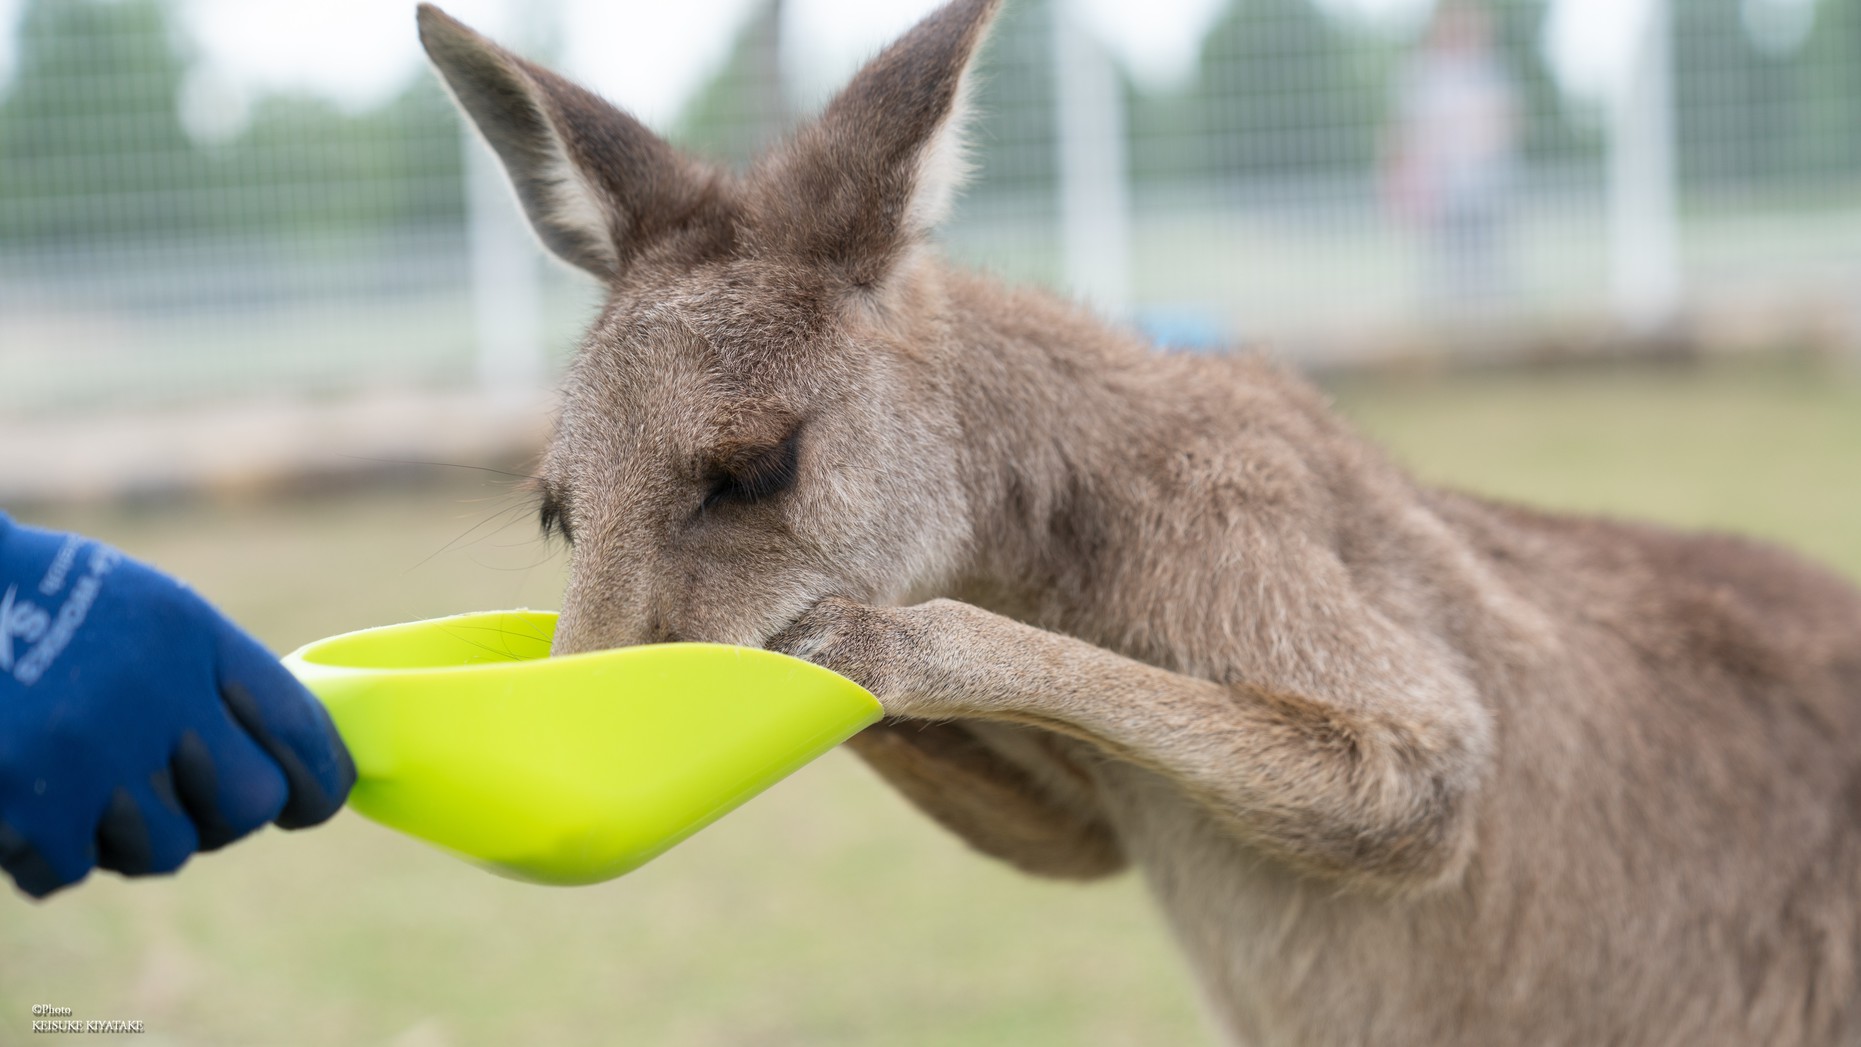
(758,476)
(554,519)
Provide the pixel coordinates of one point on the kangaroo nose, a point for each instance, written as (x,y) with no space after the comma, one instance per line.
(590,623)
(578,632)
(576,641)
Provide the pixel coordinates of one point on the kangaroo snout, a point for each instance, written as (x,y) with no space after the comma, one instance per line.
(666,601)
(578,634)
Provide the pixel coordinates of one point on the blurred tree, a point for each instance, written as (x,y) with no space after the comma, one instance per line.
(1830,80)
(1730,121)
(1014,132)
(306,166)
(745,106)
(92,148)
(90,143)
(1284,89)
(741,109)
(1754,111)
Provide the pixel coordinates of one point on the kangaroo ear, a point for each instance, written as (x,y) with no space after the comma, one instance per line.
(595,183)
(883,164)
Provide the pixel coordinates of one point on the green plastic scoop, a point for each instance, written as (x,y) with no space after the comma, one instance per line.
(566,770)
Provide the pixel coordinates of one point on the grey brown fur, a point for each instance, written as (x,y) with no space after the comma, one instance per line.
(1400,766)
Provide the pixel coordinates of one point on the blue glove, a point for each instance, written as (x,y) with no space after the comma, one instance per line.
(138,725)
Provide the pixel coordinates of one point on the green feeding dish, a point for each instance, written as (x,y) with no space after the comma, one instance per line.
(569,770)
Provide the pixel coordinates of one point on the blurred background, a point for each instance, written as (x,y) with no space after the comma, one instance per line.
(269,318)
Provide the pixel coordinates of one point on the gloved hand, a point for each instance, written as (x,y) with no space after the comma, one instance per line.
(138,725)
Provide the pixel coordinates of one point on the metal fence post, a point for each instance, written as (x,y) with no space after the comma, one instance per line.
(1094,175)
(1643,221)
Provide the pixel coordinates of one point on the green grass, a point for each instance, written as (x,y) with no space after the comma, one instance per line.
(824,911)
(1765,448)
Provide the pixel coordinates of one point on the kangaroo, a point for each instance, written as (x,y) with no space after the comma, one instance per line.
(1399,765)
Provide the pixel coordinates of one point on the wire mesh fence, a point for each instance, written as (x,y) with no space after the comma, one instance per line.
(1303,171)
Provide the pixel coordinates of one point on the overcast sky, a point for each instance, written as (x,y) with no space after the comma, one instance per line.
(649,55)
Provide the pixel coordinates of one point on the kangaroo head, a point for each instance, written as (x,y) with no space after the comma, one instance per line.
(761,415)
